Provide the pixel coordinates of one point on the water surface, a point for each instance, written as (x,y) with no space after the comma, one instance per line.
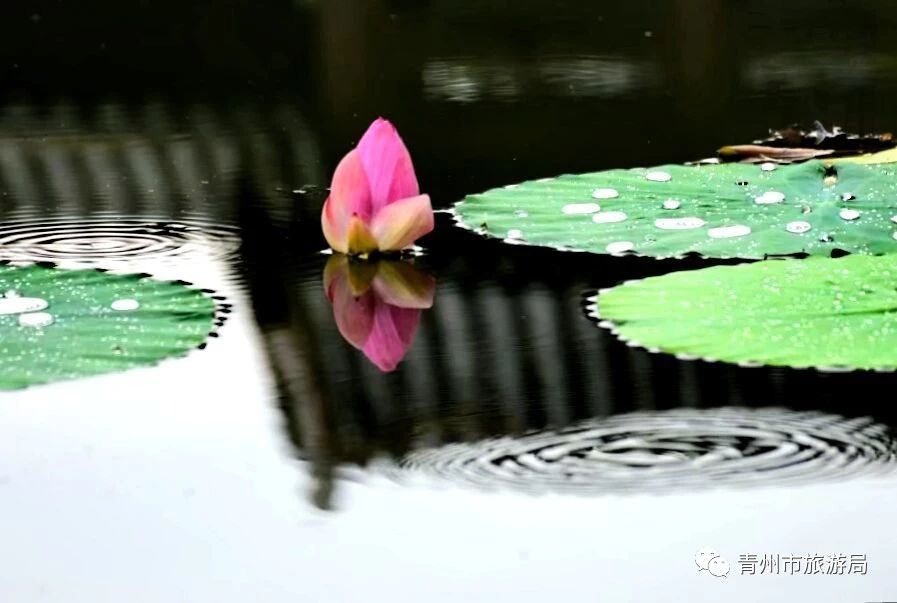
(517,449)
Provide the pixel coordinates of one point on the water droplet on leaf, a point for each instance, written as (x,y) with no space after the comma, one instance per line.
(728,232)
(620,247)
(573,209)
(798,227)
(658,176)
(36,319)
(769,197)
(608,217)
(671,204)
(849,214)
(605,193)
(125,305)
(18,305)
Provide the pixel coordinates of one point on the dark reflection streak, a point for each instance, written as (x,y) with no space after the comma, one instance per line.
(482,404)
(15,174)
(256,154)
(31,169)
(571,354)
(60,175)
(223,154)
(777,384)
(493,309)
(667,384)
(160,185)
(111,174)
(57,163)
(421,385)
(147,158)
(286,159)
(410,380)
(355,417)
(202,127)
(486,352)
(305,165)
(734,392)
(438,370)
(35,171)
(644,394)
(593,353)
(182,154)
(453,320)
(294,350)
(101,174)
(541,326)
(376,390)
(146,172)
(400,431)
(689,387)
(266,139)
(359,400)
(713,385)
(535,415)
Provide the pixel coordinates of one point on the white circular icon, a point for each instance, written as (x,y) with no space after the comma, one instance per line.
(704,556)
(718,567)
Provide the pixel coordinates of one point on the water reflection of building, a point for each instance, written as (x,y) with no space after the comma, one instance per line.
(506,349)
(158,159)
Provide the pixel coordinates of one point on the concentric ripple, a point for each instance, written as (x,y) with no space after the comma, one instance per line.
(665,451)
(96,241)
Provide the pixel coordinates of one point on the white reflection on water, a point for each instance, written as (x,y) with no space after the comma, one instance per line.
(803,70)
(161,247)
(473,79)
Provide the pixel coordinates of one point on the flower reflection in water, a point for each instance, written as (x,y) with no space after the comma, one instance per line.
(377,305)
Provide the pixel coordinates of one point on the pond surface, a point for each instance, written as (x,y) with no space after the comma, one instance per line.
(506,445)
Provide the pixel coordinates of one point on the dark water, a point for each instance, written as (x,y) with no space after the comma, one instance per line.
(280,463)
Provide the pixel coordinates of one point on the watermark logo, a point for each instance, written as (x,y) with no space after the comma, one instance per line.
(711,561)
(753,564)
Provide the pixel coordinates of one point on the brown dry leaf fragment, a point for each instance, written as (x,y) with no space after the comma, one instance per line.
(751,153)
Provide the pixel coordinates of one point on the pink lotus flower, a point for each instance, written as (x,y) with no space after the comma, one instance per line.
(377,305)
(375,202)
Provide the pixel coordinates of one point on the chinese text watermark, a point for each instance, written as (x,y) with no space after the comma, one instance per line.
(837,564)
(754,564)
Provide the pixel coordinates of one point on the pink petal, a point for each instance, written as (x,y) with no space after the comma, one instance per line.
(354,315)
(400,224)
(402,285)
(392,335)
(350,196)
(334,226)
(387,165)
(382,331)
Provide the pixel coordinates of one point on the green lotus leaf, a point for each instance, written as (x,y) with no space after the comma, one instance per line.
(717,210)
(61,324)
(888,156)
(817,312)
